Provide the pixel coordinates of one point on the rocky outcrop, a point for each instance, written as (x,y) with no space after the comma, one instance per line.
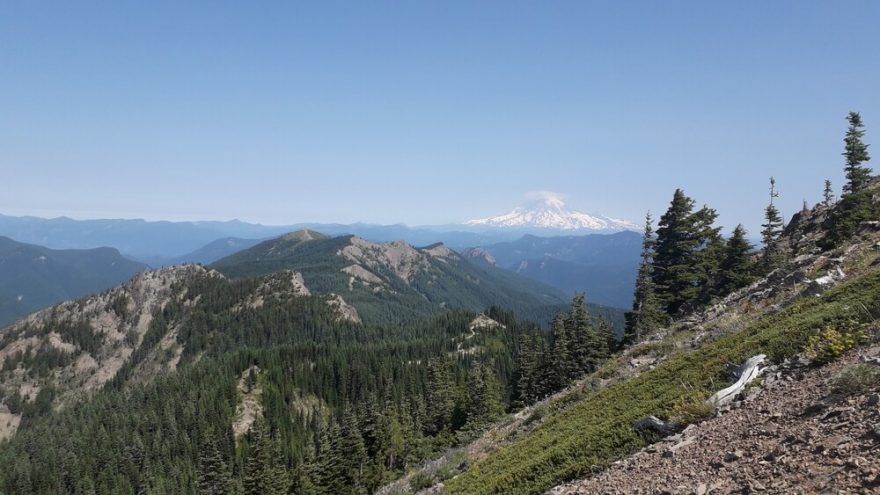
(482,322)
(344,311)
(249,407)
(399,257)
(91,339)
(479,253)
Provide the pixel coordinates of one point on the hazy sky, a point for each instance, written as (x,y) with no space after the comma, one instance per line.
(426,112)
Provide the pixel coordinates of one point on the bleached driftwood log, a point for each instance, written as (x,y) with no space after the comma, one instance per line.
(749,371)
(869,359)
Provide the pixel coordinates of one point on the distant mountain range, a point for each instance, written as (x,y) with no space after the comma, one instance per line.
(33,277)
(547,211)
(603,266)
(159,243)
(394,281)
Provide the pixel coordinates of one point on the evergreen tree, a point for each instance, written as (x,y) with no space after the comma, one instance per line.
(582,339)
(564,364)
(264,473)
(213,473)
(828,194)
(770,233)
(856,153)
(737,269)
(483,396)
(353,456)
(646,314)
(439,401)
(528,361)
(681,268)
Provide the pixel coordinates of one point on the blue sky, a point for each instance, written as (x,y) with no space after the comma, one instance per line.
(426,112)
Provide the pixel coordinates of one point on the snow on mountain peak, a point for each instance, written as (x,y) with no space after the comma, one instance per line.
(547,210)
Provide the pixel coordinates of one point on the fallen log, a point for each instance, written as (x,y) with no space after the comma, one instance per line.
(655,424)
(750,370)
(869,359)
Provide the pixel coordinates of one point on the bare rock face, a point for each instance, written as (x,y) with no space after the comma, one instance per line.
(277,286)
(402,259)
(358,273)
(483,322)
(249,407)
(480,253)
(345,311)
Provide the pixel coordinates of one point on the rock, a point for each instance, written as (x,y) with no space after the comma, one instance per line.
(652,423)
(702,489)
(733,456)
(873,400)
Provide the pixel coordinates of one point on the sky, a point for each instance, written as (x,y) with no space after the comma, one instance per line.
(426,112)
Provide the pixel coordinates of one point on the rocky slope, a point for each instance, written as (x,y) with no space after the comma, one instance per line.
(796,433)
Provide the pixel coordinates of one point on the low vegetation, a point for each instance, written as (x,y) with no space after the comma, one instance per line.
(598,430)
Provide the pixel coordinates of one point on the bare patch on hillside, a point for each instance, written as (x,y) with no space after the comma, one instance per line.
(249,407)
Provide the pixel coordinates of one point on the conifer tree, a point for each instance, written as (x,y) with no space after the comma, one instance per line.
(828,194)
(771,230)
(439,401)
(528,366)
(564,365)
(646,313)
(256,466)
(484,396)
(213,473)
(353,456)
(681,268)
(737,268)
(855,153)
(582,337)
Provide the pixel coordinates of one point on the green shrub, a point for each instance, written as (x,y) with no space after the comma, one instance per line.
(830,344)
(420,481)
(537,415)
(691,408)
(856,378)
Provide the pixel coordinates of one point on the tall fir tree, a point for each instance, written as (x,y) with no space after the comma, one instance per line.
(582,337)
(263,473)
(439,400)
(214,476)
(646,314)
(856,154)
(681,268)
(353,455)
(564,364)
(483,396)
(528,366)
(828,194)
(737,270)
(770,233)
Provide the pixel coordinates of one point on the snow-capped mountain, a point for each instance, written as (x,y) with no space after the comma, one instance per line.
(547,210)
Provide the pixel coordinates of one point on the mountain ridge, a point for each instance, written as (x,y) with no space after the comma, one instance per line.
(33,277)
